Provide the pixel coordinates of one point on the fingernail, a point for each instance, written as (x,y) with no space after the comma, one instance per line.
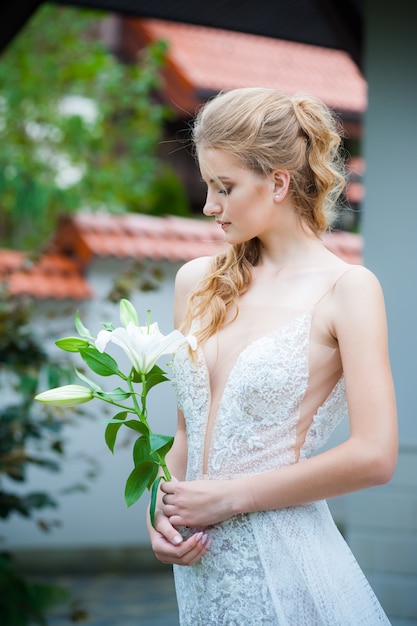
(176,540)
(204,540)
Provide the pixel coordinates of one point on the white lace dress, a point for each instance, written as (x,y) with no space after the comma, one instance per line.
(288,567)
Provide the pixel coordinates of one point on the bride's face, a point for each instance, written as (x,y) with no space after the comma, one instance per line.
(241,201)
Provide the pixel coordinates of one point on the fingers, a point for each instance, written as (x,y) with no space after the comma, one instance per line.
(168,487)
(168,499)
(176,520)
(169,546)
(186,554)
(165,528)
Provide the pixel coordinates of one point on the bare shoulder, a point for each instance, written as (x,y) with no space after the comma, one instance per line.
(188,276)
(192,272)
(358,297)
(357,282)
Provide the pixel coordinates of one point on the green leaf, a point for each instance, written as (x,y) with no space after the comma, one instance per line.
(137,377)
(153,380)
(154,494)
(112,429)
(117,395)
(138,426)
(156,370)
(138,481)
(80,328)
(99,362)
(89,382)
(154,475)
(142,451)
(72,344)
(160,443)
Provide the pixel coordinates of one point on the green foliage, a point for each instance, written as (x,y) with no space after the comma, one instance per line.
(110,146)
(24,602)
(28,437)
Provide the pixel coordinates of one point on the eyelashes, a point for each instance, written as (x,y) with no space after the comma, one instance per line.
(218,187)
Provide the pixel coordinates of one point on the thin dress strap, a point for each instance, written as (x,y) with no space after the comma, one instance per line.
(333,285)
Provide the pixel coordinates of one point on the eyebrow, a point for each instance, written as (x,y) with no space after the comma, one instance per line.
(214,180)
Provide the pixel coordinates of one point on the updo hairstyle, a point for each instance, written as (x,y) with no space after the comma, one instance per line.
(265,130)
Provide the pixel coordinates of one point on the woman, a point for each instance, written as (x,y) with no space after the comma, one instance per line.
(291,339)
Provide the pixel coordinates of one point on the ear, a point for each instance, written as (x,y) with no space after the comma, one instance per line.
(281,182)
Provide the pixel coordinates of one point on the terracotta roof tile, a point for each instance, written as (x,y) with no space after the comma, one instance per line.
(52,276)
(174,238)
(132,236)
(213,59)
(139,236)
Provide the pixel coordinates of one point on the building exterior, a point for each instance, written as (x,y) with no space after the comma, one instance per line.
(94,260)
(381,524)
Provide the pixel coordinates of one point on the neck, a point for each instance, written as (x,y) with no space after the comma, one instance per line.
(292,248)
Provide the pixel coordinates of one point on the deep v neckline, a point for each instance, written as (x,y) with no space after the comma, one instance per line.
(210,422)
(251,344)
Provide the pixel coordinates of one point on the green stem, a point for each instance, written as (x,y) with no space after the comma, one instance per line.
(164,468)
(143,377)
(143,418)
(141,414)
(113,403)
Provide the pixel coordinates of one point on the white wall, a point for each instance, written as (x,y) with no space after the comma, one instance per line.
(97,518)
(382,522)
(390,215)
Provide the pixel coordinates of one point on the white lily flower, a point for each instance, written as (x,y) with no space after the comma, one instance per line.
(68,395)
(143,345)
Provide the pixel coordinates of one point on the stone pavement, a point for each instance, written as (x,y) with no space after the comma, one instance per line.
(126,599)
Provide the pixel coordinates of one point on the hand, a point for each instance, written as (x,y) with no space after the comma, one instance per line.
(197,503)
(169,546)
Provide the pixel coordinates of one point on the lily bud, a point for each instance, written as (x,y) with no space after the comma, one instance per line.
(68,395)
(128,313)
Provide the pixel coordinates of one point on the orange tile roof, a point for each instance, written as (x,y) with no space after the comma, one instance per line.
(210,60)
(131,236)
(137,236)
(52,276)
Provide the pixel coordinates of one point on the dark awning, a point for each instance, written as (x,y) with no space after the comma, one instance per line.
(327,23)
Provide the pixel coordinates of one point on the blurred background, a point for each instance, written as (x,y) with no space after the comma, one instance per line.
(100,198)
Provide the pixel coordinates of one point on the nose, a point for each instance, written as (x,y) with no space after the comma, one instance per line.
(212,207)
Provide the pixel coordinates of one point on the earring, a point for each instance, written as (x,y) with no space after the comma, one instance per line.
(278,195)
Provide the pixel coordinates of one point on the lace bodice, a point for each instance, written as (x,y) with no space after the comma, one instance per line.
(255,428)
(253,404)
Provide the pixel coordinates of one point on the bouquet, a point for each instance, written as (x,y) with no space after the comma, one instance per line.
(143,345)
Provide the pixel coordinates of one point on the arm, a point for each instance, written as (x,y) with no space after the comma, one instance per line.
(166,541)
(357,321)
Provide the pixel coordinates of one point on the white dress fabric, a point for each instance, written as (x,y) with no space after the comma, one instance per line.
(287,567)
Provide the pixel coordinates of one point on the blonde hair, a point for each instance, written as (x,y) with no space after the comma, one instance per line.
(265,130)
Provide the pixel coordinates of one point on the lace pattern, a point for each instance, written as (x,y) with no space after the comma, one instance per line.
(289,567)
